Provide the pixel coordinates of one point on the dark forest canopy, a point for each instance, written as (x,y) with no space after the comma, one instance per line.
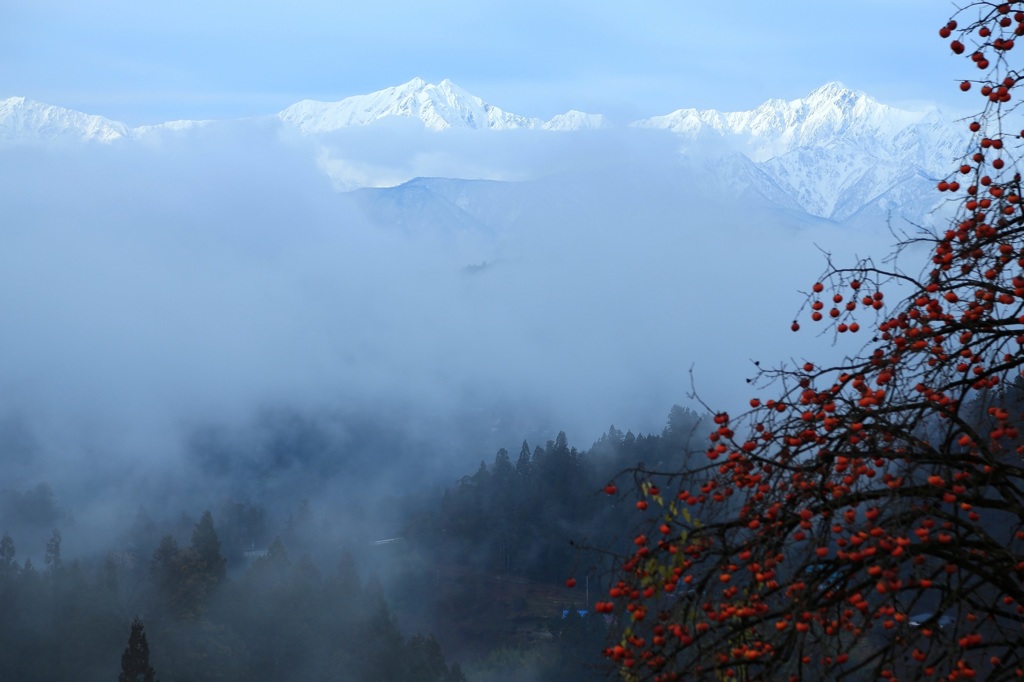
(475,571)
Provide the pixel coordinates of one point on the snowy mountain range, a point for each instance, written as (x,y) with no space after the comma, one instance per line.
(835,150)
(835,153)
(25,120)
(440,106)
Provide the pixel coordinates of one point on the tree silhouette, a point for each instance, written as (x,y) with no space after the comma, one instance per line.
(135,665)
(207,546)
(867,521)
(52,557)
(8,565)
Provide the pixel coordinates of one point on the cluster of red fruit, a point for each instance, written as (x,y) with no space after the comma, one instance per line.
(838,504)
(817,307)
(1005,25)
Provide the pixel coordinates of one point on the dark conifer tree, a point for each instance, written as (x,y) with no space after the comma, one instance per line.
(135,665)
(502,469)
(207,545)
(8,566)
(52,558)
(523,463)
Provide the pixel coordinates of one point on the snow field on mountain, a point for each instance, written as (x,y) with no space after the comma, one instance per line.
(836,153)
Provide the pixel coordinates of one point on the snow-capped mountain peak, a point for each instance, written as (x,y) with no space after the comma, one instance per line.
(829,113)
(440,106)
(25,120)
(834,150)
(576,120)
(833,91)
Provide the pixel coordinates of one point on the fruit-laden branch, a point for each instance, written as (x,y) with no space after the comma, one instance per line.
(868,521)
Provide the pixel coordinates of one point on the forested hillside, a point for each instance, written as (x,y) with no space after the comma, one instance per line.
(475,572)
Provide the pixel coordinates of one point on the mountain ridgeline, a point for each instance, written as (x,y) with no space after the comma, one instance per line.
(835,153)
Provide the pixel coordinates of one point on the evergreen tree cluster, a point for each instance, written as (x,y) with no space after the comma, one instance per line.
(278,620)
(519,517)
(214,612)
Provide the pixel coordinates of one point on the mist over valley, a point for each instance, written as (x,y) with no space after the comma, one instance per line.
(323,334)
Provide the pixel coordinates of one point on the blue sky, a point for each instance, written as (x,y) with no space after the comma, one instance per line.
(147,62)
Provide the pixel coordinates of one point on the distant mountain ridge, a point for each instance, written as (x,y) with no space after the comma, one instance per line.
(777,126)
(440,106)
(834,153)
(25,120)
(773,128)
